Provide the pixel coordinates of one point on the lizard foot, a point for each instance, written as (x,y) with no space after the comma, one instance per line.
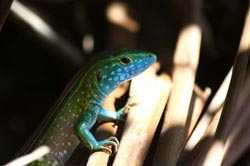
(107,145)
(124,110)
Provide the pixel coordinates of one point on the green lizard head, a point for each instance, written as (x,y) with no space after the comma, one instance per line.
(121,65)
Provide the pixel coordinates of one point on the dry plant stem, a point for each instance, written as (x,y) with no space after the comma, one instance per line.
(212,126)
(199,102)
(237,79)
(28,158)
(107,129)
(4,8)
(215,154)
(240,144)
(118,14)
(201,148)
(150,93)
(35,25)
(173,133)
(220,96)
(229,111)
(239,139)
(213,107)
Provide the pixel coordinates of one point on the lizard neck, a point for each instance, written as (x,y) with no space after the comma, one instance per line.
(92,91)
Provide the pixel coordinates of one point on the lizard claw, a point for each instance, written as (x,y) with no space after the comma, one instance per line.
(112,138)
(124,110)
(111,141)
(129,105)
(106,150)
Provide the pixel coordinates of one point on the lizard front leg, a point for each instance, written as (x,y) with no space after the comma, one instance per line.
(107,115)
(91,143)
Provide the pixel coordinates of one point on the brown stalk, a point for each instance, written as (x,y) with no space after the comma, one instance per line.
(220,143)
(31,23)
(213,107)
(200,97)
(4,8)
(239,138)
(150,93)
(173,133)
(199,149)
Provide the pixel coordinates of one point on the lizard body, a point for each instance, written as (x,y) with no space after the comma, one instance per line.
(81,104)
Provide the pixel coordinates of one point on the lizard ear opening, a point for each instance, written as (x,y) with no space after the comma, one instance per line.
(98,75)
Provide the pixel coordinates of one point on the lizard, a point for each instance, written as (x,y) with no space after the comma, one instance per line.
(80,105)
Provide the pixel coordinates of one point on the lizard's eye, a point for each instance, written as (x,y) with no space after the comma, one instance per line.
(125,60)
